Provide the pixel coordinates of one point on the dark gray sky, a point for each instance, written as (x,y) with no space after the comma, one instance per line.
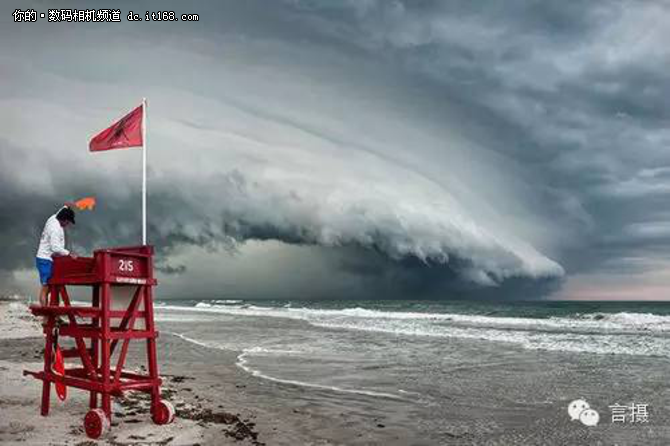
(352,149)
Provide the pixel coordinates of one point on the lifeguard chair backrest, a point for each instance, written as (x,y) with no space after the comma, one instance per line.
(127,268)
(131,265)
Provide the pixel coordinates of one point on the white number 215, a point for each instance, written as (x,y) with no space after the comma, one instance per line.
(126,265)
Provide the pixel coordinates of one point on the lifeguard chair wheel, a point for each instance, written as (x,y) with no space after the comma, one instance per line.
(163,413)
(96,423)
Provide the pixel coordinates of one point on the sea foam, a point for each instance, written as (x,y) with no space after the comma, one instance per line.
(601,333)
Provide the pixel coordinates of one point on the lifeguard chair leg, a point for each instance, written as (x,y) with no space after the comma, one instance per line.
(104,346)
(52,299)
(95,301)
(151,349)
(46,385)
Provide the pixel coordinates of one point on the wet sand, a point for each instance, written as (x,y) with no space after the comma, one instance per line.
(217,403)
(519,399)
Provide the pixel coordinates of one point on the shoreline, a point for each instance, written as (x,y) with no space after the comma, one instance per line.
(216,402)
(21,347)
(22,423)
(495,394)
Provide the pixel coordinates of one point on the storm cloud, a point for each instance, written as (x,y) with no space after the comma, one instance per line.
(402,149)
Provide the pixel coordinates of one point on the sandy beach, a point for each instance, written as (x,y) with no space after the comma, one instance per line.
(200,421)
(498,396)
(217,403)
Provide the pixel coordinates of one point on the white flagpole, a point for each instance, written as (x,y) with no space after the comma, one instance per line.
(144,171)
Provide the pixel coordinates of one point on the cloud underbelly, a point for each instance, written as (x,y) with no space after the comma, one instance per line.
(340,209)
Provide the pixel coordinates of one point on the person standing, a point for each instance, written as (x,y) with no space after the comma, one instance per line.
(52,244)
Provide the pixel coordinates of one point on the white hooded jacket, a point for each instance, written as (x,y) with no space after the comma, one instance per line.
(52,242)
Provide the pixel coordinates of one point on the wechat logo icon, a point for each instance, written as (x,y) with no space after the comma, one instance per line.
(580,410)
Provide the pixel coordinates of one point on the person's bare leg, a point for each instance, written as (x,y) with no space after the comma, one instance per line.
(44,292)
(43,295)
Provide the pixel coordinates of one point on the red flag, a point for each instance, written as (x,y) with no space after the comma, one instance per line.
(126,132)
(59,370)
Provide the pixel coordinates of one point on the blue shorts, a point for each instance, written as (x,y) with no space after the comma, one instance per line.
(44,267)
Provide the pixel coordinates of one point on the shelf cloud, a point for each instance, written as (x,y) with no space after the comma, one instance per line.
(403,148)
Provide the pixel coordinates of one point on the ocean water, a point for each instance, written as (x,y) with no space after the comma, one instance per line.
(408,349)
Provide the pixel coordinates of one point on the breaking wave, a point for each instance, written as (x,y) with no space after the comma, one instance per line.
(602,333)
(242,362)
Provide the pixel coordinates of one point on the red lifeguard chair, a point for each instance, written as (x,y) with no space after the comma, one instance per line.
(121,309)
